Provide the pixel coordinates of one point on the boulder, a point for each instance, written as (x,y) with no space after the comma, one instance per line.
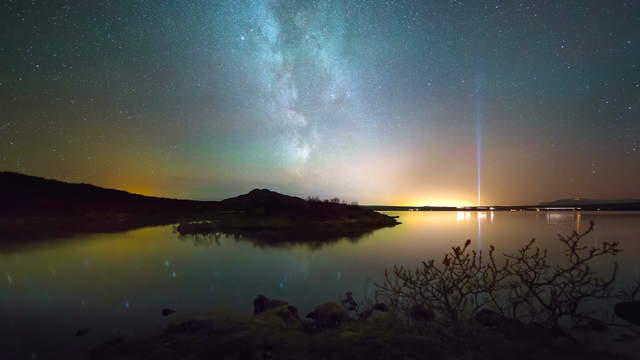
(287,313)
(421,313)
(629,311)
(328,315)
(262,304)
(275,312)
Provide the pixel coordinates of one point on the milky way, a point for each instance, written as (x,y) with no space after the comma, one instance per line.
(297,57)
(411,102)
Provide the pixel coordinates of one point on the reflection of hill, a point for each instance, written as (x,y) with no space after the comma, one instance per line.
(284,240)
(17,232)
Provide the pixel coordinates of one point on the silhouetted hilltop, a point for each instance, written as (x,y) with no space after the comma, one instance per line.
(262,199)
(24,195)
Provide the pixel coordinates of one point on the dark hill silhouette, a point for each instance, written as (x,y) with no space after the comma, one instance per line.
(263,201)
(34,207)
(24,195)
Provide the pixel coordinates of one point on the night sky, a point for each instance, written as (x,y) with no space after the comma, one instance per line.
(382,102)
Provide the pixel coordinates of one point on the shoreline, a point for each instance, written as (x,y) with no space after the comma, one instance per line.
(277,330)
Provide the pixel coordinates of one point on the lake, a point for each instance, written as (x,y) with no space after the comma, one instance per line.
(117,284)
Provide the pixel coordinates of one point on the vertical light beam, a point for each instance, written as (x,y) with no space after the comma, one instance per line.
(477,117)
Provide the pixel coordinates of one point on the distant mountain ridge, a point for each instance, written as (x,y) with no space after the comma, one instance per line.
(585,202)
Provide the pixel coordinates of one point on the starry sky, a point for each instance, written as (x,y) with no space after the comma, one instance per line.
(381,102)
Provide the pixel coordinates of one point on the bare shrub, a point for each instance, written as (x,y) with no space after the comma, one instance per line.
(525,286)
(546,293)
(452,288)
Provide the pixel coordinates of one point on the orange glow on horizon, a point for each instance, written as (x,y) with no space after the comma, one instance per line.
(454,201)
(133,185)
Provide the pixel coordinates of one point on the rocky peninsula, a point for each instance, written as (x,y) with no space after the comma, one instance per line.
(35,208)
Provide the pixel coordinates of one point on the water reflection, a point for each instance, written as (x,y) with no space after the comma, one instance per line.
(479,215)
(574,217)
(283,241)
(578,216)
(557,218)
(117,283)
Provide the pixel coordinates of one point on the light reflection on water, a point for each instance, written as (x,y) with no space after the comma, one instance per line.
(118,283)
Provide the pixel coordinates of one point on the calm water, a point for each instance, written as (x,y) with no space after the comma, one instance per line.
(116,284)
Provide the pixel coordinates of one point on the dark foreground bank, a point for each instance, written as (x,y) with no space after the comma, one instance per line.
(277,331)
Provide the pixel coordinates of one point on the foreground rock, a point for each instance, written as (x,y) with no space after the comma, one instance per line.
(328,315)
(275,312)
(262,303)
